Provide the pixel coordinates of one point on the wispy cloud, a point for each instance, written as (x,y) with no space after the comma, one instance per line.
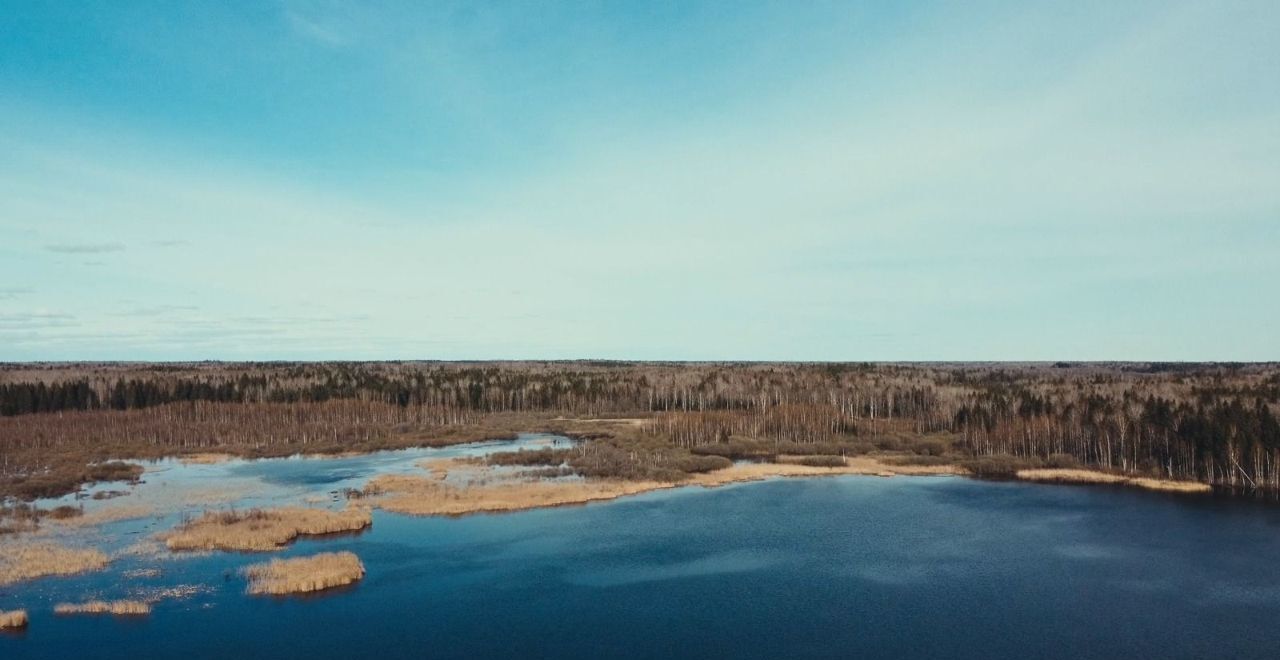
(84,248)
(36,320)
(154,310)
(321,31)
(9,293)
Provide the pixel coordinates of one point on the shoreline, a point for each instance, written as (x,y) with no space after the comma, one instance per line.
(396,492)
(430,495)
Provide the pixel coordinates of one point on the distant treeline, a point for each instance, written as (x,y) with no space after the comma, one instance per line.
(29,398)
(481,389)
(1213,423)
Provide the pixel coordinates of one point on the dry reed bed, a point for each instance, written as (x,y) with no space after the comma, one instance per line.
(263,530)
(429,496)
(302,575)
(1170,485)
(424,496)
(205,459)
(25,561)
(13,619)
(114,608)
(1070,476)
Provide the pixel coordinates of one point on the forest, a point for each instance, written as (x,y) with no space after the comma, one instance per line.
(1213,423)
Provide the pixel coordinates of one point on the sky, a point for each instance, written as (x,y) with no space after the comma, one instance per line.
(298,180)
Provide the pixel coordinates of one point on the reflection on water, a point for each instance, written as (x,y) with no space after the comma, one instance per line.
(631,572)
(836,567)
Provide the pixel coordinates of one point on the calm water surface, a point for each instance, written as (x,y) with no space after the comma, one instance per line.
(832,567)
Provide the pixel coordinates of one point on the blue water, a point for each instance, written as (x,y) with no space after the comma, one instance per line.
(832,567)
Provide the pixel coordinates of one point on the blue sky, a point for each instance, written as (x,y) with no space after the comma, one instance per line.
(664,180)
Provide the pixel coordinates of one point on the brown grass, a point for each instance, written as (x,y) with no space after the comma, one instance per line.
(206,459)
(25,561)
(13,619)
(1096,477)
(114,608)
(1072,476)
(860,465)
(304,574)
(261,530)
(626,421)
(429,496)
(815,460)
(425,496)
(1170,485)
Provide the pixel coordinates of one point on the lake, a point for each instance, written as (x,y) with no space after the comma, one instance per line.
(828,567)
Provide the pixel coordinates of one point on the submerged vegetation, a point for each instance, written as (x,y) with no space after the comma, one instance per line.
(301,575)
(22,517)
(263,530)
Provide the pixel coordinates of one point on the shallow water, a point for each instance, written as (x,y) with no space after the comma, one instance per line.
(831,567)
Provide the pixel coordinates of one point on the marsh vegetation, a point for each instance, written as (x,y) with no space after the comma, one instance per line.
(13,619)
(300,575)
(26,560)
(113,607)
(264,530)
